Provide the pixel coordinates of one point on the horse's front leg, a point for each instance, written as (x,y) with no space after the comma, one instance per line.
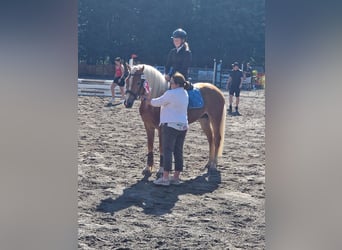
(161,168)
(147,171)
(150,162)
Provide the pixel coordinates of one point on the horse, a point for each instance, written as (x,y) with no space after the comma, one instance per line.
(212,116)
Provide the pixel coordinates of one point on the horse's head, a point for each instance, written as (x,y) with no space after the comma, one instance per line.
(134,84)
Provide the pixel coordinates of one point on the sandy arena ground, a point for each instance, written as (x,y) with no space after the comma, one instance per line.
(119,209)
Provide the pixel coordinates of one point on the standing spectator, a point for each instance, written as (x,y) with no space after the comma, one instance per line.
(179,58)
(119,80)
(248,75)
(174,124)
(248,70)
(234,85)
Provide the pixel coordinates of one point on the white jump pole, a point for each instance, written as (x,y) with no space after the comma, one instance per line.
(214,71)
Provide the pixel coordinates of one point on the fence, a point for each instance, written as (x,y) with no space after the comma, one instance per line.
(100,71)
(105,72)
(91,87)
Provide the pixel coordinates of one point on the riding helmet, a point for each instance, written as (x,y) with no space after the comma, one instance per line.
(179,33)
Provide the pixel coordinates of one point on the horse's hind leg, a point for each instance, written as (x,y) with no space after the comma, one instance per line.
(206,127)
(216,140)
(150,139)
(217,122)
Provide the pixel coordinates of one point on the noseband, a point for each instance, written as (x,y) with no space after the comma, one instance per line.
(140,84)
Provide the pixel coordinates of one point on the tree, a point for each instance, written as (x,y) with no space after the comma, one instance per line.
(229,30)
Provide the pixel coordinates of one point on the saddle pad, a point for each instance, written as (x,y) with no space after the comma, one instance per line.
(195,99)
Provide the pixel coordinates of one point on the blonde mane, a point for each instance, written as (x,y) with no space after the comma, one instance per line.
(155,79)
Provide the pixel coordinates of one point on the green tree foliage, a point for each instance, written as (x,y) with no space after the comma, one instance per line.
(223,29)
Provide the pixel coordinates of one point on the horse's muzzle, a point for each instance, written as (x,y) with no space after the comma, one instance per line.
(128,103)
(130,98)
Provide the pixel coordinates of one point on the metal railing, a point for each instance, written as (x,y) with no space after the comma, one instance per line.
(196,74)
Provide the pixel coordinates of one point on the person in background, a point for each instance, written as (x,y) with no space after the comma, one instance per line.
(179,58)
(174,125)
(234,85)
(248,75)
(119,80)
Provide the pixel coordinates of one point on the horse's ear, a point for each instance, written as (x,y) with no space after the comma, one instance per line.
(128,67)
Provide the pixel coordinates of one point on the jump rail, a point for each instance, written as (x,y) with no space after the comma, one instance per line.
(91,87)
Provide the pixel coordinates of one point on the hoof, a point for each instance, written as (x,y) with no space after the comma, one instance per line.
(207,166)
(147,171)
(212,170)
(160,172)
(214,176)
(211,167)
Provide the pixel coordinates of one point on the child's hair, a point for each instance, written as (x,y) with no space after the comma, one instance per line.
(186,45)
(118,59)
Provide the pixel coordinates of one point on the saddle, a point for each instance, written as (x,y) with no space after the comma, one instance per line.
(195,98)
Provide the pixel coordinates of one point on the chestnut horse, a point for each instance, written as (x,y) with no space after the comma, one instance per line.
(212,116)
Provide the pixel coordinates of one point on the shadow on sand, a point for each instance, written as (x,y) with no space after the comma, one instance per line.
(159,200)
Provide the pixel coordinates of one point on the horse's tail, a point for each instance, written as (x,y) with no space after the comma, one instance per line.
(222,130)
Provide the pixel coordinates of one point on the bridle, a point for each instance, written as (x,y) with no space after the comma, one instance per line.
(140,84)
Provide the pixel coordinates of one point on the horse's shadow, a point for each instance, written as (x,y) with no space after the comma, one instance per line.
(158,200)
